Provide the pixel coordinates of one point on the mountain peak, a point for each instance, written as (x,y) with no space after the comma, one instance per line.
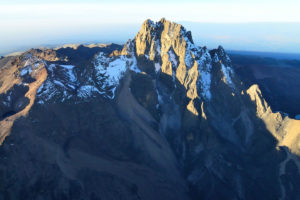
(172,50)
(163,20)
(86,119)
(155,37)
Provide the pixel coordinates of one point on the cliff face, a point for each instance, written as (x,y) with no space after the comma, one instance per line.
(161,114)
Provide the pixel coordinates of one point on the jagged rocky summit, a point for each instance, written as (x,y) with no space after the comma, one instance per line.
(159,118)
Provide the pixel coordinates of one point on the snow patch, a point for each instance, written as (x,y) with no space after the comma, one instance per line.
(157,106)
(36,65)
(46,92)
(87,91)
(152,23)
(216,58)
(51,67)
(157,67)
(31,63)
(113,93)
(109,72)
(62,86)
(158,50)
(204,67)
(115,70)
(159,97)
(205,83)
(173,58)
(26,70)
(228,60)
(188,59)
(59,83)
(40,89)
(28,62)
(133,65)
(227,71)
(69,69)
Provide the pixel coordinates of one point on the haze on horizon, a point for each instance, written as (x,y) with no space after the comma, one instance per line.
(272,26)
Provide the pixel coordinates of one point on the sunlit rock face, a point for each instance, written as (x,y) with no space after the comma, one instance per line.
(173,52)
(159,118)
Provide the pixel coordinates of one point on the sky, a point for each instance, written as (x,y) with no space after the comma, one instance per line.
(257,25)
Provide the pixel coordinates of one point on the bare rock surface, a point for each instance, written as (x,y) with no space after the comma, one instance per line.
(159,118)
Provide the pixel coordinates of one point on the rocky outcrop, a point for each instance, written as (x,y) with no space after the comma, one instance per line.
(283,128)
(35,69)
(223,114)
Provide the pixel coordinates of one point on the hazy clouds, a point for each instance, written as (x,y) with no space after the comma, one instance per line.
(37,23)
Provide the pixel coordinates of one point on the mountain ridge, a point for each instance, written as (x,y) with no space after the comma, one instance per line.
(171,114)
